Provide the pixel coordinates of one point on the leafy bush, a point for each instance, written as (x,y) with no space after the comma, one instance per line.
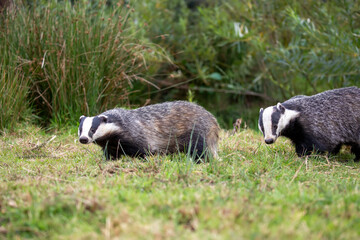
(240,54)
(322,52)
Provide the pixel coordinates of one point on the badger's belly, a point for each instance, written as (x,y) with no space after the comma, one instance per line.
(129,149)
(174,144)
(117,148)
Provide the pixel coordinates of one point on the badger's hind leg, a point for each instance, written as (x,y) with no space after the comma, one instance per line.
(201,143)
(205,148)
(197,147)
(192,144)
(336,149)
(355,149)
(212,139)
(200,146)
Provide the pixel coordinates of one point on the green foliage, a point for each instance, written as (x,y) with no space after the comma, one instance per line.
(64,190)
(77,59)
(246,52)
(82,57)
(322,52)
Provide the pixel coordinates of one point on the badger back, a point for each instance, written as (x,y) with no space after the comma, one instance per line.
(332,113)
(168,125)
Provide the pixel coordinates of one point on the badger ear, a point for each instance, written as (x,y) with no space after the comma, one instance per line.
(261,110)
(81,118)
(103,118)
(281,108)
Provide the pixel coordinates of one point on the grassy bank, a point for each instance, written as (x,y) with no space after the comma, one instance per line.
(55,188)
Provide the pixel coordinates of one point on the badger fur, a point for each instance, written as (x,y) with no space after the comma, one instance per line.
(322,122)
(164,128)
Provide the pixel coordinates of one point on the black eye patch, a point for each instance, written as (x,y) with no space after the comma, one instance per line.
(94,126)
(275,117)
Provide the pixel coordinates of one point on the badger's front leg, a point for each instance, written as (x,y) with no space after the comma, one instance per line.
(303,150)
(106,154)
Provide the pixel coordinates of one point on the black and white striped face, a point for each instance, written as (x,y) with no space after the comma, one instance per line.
(92,128)
(273,120)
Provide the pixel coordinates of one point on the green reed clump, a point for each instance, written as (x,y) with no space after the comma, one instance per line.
(13,96)
(78,58)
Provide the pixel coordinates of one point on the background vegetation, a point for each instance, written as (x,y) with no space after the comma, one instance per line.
(73,59)
(61,59)
(81,57)
(240,54)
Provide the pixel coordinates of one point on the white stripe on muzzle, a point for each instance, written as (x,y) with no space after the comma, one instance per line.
(268,124)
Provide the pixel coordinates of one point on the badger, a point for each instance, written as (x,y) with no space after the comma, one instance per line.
(163,128)
(322,122)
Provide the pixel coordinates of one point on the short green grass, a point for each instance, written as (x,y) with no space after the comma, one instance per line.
(63,190)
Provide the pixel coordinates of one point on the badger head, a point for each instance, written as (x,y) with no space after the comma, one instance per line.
(273,120)
(93,128)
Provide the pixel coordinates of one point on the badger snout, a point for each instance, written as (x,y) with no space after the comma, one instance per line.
(84,140)
(269,140)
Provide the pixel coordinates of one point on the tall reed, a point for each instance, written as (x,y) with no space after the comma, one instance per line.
(13,96)
(79,58)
